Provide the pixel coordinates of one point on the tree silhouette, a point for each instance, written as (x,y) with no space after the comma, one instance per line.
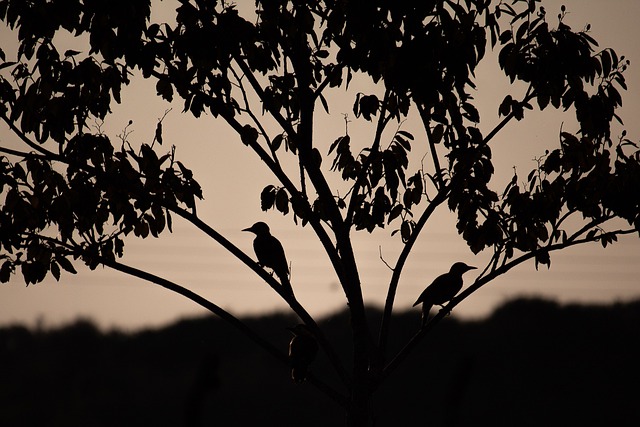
(72,193)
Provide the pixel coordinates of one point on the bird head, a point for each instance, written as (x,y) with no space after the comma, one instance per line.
(300,329)
(461,268)
(259,228)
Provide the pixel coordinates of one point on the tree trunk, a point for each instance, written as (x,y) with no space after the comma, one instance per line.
(359,411)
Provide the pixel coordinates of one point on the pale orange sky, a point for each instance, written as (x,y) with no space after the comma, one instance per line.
(232,179)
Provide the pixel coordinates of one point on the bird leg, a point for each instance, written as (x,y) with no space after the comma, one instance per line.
(442,308)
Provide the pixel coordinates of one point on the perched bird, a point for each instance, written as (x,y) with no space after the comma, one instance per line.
(270,253)
(442,289)
(302,351)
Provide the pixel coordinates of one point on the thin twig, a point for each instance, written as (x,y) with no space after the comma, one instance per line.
(383,260)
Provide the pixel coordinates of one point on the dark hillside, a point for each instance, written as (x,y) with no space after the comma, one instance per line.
(532,363)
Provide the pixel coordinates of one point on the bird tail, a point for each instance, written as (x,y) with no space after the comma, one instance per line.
(286,284)
(426,308)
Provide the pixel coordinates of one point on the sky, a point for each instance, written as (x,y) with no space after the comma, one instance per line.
(232,179)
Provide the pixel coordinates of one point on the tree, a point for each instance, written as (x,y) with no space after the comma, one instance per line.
(72,194)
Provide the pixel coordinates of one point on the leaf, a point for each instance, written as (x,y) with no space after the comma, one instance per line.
(543,101)
(277,142)
(395,213)
(282,201)
(325,105)
(248,135)
(405,230)
(505,106)
(66,264)
(403,142)
(437,133)
(605,58)
(5,271)
(338,141)
(119,244)
(366,105)
(471,112)
(316,158)
(165,90)
(169,221)
(158,136)
(267,197)
(505,36)
(543,258)
(406,134)
(55,270)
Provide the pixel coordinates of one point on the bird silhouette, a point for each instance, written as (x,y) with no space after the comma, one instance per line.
(270,253)
(442,289)
(302,351)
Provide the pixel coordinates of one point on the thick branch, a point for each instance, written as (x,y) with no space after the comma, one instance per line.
(224,315)
(397,270)
(48,154)
(23,154)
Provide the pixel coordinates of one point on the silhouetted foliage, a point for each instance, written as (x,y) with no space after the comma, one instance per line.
(71,193)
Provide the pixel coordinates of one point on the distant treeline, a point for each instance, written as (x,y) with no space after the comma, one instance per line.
(532,363)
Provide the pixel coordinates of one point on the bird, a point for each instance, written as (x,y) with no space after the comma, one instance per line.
(303,348)
(270,253)
(442,289)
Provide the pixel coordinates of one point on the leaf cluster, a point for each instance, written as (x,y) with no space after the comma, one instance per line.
(83,204)
(561,65)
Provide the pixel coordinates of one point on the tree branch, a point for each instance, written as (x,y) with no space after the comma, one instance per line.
(248,110)
(397,270)
(23,154)
(283,122)
(506,120)
(321,87)
(224,315)
(596,222)
(293,303)
(51,155)
(432,146)
(402,354)
(275,168)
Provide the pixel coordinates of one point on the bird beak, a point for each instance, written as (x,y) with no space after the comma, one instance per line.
(248,229)
(470,267)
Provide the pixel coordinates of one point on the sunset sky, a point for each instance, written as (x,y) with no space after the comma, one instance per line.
(232,179)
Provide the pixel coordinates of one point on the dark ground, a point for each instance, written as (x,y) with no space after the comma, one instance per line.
(532,363)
